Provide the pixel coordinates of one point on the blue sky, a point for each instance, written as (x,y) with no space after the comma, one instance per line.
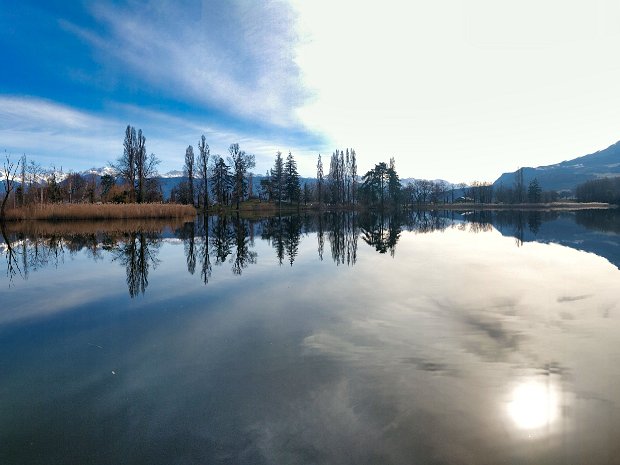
(451,89)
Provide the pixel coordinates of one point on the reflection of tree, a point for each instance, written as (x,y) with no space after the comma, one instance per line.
(243,255)
(284,235)
(534,221)
(514,223)
(599,220)
(203,251)
(425,221)
(12,264)
(223,239)
(292,232)
(188,234)
(320,235)
(25,254)
(342,235)
(381,231)
(138,252)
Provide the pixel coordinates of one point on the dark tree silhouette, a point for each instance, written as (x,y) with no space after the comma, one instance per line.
(223,239)
(9,171)
(278,179)
(137,253)
(534,191)
(203,251)
(243,255)
(203,170)
(319,180)
(221,181)
(188,170)
(241,163)
(291,179)
(134,167)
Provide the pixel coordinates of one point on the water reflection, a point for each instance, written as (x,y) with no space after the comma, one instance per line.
(440,342)
(217,240)
(534,405)
(382,231)
(137,252)
(283,233)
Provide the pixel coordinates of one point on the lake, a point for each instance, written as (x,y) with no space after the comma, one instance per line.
(431,338)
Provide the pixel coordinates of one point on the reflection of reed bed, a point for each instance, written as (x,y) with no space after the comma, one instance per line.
(110,227)
(55,212)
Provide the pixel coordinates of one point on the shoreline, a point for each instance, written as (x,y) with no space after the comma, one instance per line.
(103,212)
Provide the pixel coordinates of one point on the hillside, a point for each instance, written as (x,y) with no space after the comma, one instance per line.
(568,174)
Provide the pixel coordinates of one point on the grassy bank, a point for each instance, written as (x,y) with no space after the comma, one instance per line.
(108,211)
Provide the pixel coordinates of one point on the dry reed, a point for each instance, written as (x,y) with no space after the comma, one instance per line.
(107,211)
(115,226)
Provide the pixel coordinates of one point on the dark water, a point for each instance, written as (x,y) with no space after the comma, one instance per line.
(485,338)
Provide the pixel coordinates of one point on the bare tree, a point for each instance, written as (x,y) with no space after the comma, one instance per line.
(126,164)
(35,172)
(9,172)
(134,166)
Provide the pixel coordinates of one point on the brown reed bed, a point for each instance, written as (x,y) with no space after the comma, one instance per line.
(106,211)
(86,227)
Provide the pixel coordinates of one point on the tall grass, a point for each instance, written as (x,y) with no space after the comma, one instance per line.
(86,227)
(107,211)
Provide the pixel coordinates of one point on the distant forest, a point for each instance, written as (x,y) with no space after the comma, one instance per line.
(212,181)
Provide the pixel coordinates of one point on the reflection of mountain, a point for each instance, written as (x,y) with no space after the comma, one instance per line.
(594,231)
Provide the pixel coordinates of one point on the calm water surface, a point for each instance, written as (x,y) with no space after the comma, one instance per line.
(483,338)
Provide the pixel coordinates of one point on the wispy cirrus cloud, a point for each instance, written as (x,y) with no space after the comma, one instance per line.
(235,58)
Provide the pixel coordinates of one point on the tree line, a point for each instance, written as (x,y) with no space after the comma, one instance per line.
(600,190)
(212,180)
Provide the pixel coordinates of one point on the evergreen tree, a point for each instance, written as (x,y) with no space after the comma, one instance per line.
(534,191)
(319,180)
(393,182)
(266,188)
(221,181)
(291,179)
(189,172)
(277,179)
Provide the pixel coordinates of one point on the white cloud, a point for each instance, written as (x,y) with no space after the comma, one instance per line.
(54,134)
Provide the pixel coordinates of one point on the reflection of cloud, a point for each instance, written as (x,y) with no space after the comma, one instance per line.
(573,298)
(353,437)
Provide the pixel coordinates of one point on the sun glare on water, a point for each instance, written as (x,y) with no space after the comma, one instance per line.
(533,405)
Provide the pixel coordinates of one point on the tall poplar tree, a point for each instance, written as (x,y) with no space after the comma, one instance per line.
(319,179)
(203,170)
(189,172)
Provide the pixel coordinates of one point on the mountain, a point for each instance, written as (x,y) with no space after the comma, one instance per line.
(568,174)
